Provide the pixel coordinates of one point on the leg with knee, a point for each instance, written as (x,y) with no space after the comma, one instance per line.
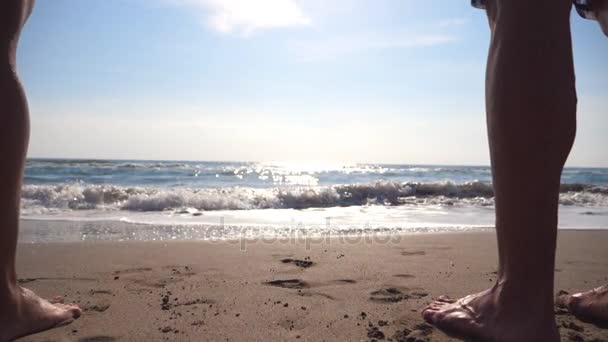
(22,312)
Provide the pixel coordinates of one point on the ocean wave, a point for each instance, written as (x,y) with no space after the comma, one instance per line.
(78,196)
(105,164)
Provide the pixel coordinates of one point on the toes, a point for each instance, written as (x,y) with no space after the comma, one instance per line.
(75,311)
(445,299)
(431,308)
(563,301)
(438,305)
(429,315)
(602,289)
(574,303)
(71,310)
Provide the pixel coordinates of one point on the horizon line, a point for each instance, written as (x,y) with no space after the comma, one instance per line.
(283,161)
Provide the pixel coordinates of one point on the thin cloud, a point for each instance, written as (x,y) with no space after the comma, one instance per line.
(452,22)
(245,17)
(331,48)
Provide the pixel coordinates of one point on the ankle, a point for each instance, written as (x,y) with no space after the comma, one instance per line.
(517,295)
(8,286)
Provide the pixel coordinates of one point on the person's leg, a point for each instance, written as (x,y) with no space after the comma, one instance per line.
(591,306)
(21,311)
(601,12)
(531,118)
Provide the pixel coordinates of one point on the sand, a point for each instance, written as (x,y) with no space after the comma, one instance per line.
(334,291)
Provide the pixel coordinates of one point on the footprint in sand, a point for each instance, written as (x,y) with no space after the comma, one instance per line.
(177,270)
(25,280)
(168,301)
(292,322)
(405,276)
(141,280)
(300,263)
(420,333)
(412,253)
(570,325)
(289,284)
(29,280)
(100,306)
(132,270)
(97,339)
(313,294)
(395,295)
(103,292)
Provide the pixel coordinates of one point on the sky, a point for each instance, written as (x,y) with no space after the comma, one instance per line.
(370,81)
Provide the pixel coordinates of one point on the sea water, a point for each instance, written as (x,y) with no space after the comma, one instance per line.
(156,200)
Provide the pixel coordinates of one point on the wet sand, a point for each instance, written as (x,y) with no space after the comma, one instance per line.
(357,291)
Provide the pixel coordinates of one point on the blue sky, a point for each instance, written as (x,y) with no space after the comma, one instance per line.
(393,81)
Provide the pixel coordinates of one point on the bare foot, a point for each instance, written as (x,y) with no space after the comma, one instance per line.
(490,316)
(26,313)
(591,306)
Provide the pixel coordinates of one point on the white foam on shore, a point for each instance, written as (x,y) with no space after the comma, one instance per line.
(361,217)
(76,212)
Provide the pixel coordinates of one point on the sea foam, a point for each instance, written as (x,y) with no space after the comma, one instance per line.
(78,196)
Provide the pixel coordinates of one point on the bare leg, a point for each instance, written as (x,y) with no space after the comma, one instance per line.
(21,311)
(531,116)
(591,306)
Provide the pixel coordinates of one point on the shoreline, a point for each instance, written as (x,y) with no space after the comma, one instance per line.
(68,231)
(197,290)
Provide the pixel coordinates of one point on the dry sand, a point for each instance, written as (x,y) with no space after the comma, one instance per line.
(200,291)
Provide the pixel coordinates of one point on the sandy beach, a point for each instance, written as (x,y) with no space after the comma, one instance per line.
(333,291)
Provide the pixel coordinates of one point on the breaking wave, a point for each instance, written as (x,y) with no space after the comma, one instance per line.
(78,196)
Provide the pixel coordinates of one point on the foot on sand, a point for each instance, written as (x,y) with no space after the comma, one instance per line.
(26,313)
(590,306)
(490,316)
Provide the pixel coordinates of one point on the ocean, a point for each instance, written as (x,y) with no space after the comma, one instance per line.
(81,200)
